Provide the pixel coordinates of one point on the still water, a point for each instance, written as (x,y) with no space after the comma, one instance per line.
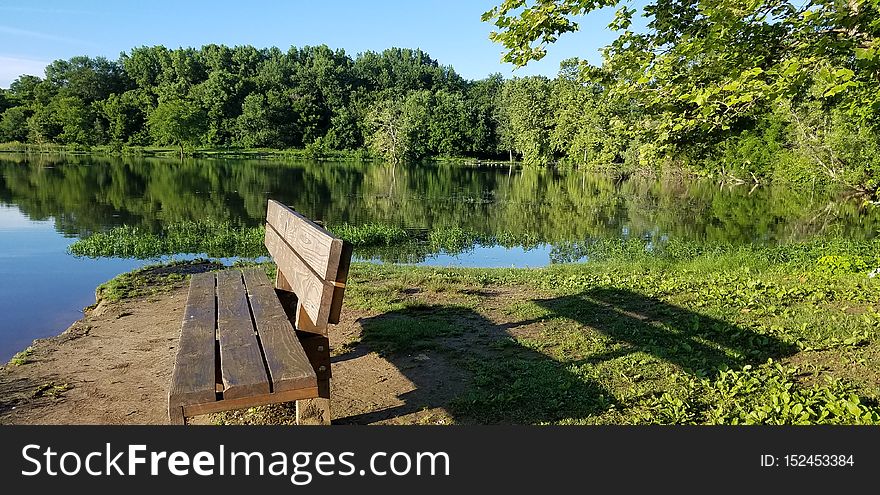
(46,202)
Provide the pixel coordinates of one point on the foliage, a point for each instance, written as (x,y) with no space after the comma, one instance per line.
(311,98)
(178,122)
(370,234)
(709,72)
(21,357)
(767,394)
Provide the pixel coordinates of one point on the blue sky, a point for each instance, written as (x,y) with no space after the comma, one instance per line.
(33,33)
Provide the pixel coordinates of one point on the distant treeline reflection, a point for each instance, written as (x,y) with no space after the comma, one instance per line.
(86,194)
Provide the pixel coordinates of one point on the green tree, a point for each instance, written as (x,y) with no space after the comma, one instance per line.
(706,70)
(399,127)
(77,120)
(177,122)
(5,100)
(126,117)
(14,125)
(526,103)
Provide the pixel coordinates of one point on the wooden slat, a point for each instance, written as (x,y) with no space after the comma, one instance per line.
(193,377)
(339,287)
(243,371)
(304,324)
(255,400)
(289,367)
(317,247)
(313,293)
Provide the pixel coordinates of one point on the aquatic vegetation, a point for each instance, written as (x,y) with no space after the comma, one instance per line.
(216,239)
(372,234)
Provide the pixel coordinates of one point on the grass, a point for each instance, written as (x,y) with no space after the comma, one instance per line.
(51,389)
(151,280)
(372,234)
(308,153)
(782,335)
(217,239)
(223,239)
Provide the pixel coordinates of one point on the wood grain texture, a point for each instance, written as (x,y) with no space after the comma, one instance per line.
(250,401)
(303,322)
(317,247)
(289,366)
(287,298)
(192,379)
(314,294)
(241,361)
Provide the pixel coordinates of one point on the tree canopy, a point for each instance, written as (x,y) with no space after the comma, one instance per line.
(706,72)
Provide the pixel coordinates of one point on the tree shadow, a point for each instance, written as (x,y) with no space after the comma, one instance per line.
(473,368)
(458,360)
(699,344)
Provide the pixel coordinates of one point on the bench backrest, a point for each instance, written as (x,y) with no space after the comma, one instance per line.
(311,263)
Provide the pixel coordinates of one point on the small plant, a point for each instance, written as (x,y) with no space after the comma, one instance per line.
(840,264)
(51,390)
(767,394)
(23,357)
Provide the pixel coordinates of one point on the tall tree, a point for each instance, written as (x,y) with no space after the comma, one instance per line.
(526,104)
(178,122)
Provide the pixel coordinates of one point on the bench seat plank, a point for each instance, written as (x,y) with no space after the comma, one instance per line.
(193,378)
(241,361)
(289,367)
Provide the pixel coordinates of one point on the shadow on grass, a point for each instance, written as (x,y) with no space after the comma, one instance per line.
(478,372)
(458,360)
(698,344)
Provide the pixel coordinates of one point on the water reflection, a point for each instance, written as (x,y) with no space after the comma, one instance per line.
(85,194)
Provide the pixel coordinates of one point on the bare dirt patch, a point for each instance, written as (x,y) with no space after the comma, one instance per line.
(111,367)
(114,367)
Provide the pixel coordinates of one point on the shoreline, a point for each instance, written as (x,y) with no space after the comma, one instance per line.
(614,342)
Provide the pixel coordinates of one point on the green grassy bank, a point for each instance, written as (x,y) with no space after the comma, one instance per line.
(785,335)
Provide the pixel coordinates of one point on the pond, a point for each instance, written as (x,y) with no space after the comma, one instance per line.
(47,202)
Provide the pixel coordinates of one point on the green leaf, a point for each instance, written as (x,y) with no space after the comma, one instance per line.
(838,89)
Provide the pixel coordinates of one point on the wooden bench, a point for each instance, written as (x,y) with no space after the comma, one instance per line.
(238,347)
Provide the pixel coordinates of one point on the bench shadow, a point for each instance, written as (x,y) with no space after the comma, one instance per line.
(473,368)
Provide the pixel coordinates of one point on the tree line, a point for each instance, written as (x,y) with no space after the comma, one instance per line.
(400,103)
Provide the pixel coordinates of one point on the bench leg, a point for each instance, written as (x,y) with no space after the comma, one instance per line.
(175,415)
(315,411)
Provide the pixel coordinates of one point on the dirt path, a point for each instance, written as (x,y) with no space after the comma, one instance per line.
(114,367)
